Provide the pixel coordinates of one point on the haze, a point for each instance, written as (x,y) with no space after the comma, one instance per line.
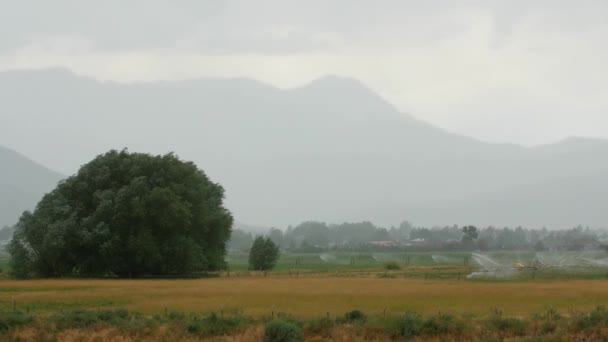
(480,112)
(503,71)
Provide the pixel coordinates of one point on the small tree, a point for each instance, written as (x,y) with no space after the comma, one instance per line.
(263,255)
(470,234)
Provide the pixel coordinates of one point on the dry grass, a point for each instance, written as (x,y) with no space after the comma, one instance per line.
(306,296)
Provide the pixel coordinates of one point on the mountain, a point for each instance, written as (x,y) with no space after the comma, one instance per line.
(331,150)
(22,184)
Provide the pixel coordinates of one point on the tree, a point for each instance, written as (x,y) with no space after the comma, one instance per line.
(276,235)
(125,215)
(263,255)
(470,233)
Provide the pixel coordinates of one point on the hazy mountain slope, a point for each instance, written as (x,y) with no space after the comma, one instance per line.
(331,150)
(22,184)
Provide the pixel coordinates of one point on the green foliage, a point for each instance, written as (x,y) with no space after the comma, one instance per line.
(84,318)
(509,325)
(263,255)
(279,330)
(13,319)
(355,316)
(597,317)
(126,215)
(214,325)
(319,325)
(392,266)
(470,234)
(441,325)
(411,325)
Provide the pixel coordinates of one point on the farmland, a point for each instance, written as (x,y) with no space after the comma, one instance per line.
(311,286)
(304,297)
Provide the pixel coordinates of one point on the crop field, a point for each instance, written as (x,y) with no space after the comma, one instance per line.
(309,287)
(308,296)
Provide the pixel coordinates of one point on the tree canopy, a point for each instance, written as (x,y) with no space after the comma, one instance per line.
(263,255)
(125,215)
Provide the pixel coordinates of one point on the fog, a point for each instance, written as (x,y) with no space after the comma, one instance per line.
(487,113)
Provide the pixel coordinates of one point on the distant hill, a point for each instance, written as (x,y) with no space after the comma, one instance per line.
(22,184)
(331,150)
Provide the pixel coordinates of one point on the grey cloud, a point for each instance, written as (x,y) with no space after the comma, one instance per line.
(241,26)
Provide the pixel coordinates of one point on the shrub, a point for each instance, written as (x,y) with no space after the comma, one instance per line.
(214,325)
(392,266)
(512,325)
(113,316)
(411,325)
(548,327)
(83,319)
(593,319)
(282,331)
(75,319)
(14,319)
(319,325)
(442,324)
(176,316)
(355,316)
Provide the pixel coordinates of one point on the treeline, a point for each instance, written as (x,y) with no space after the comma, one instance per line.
(319,236)
(6,233)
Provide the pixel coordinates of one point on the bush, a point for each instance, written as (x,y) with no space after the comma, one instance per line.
(176,316)
(593,319)
(114,317)
(319,325)
(14,319)
(84,319)
(442,324)
(282,331)
(392,266)
(512,325)
(214,325)
(355,316)
(411,325)
(75,319)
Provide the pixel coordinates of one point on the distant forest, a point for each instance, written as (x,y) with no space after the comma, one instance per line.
(365,236)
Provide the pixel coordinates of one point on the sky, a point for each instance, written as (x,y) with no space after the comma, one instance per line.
(526,72)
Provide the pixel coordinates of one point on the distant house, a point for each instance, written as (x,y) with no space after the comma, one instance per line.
(383,243)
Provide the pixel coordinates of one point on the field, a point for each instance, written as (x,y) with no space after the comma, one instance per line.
(305,297)
(312,286)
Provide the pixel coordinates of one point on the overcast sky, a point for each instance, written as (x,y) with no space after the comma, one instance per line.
(528,72)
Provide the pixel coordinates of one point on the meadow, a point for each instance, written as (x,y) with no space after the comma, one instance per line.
(313,286)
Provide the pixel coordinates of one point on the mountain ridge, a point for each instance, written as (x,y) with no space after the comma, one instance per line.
(22,184)
(330,150)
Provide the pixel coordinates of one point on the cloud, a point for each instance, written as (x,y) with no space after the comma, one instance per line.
(519,71)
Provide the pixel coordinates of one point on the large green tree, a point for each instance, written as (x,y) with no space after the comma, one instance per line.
(126,215)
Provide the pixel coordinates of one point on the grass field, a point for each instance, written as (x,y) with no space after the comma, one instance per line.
(306,296)
(317,290)
(308,285)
